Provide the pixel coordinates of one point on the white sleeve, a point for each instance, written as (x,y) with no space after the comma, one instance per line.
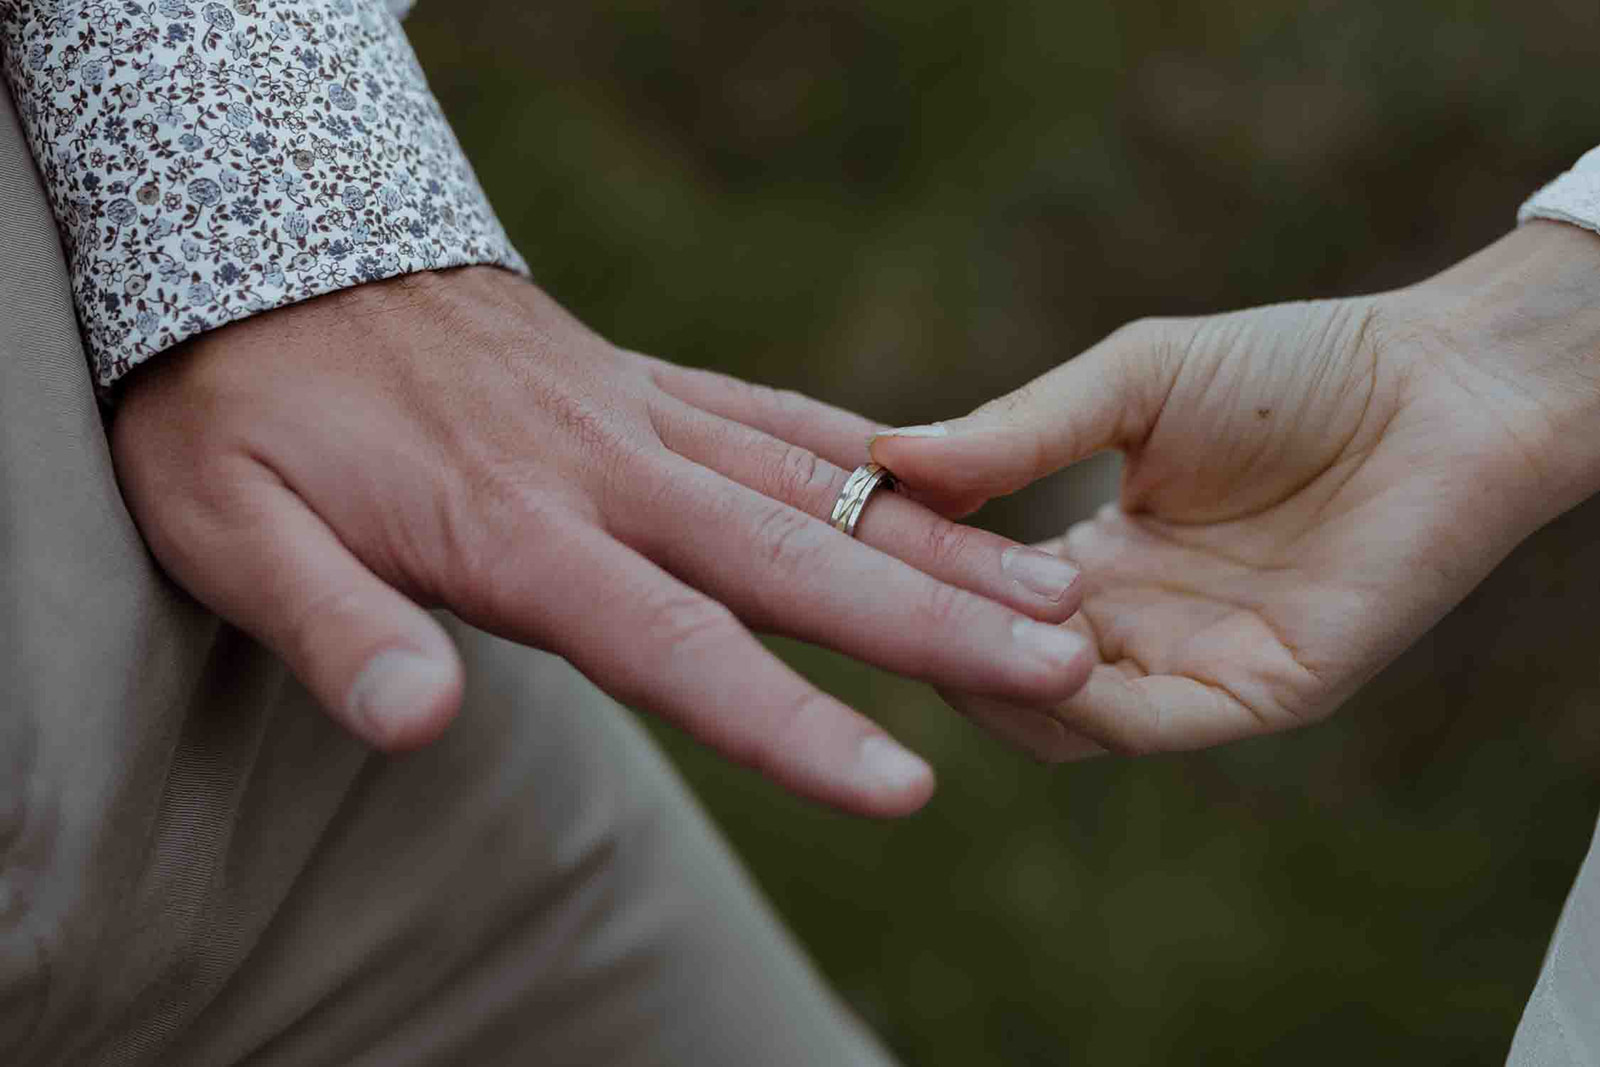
(1573,198)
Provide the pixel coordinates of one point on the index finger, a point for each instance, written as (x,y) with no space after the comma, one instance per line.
(832,433)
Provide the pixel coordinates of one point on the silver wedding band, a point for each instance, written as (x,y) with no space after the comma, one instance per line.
(858,489)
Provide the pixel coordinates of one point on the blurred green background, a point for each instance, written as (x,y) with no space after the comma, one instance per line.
(907,206)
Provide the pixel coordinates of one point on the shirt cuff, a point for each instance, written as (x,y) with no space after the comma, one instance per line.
(206,165)
(1572,198)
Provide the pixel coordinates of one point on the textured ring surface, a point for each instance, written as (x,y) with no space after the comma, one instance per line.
(853,497)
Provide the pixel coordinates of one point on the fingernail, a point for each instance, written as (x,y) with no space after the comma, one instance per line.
(395,689)
(885,764)
(1039,572)
(1056,644)
(937,429)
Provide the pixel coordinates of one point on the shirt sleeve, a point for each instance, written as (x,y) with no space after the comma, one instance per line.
(208,161)
(1573,198)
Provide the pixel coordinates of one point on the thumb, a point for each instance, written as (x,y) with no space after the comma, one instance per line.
(1108,397)
(381,666)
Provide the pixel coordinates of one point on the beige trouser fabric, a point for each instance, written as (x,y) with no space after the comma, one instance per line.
(196,868)
(1561,1024)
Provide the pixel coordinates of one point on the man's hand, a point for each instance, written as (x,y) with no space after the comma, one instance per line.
(317,473)
(1308,487)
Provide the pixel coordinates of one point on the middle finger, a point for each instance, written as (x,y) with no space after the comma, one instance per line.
(787,572)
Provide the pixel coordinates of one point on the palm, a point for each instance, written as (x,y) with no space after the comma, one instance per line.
(1295,481)
(1308,487)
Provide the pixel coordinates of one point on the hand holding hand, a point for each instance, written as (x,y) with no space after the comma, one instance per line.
(1308,487)
(456,439)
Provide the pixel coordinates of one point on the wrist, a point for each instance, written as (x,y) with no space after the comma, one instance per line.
(1516,328)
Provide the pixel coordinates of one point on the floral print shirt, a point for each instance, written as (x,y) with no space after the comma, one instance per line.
(208,160)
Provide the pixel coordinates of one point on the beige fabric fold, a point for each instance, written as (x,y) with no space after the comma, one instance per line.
(197,868)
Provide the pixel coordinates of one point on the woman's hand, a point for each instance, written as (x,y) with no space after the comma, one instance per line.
(456,439)
(1308,487)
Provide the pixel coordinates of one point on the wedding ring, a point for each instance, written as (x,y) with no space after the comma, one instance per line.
(858,488)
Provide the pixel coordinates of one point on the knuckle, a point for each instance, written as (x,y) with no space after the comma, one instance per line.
(781,408)
(1018,400)
(601,448)
(490,539)
(685,624)
(799,475)
(944,606)
(580,420)
(498,500)
(765,396)
(1162,340)
(948,543)
(303,632)
(750,395)
(786,404)
(787,539)
(588,417)
(796,726)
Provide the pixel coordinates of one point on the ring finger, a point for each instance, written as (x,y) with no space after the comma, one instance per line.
(1038,584)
